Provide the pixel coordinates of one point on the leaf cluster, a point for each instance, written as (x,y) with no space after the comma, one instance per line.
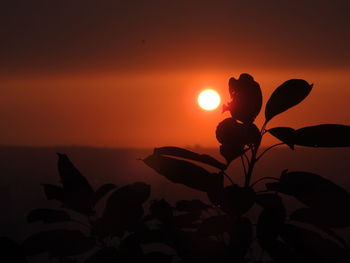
(306,234)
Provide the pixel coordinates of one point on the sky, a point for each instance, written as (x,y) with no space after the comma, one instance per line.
(127,73)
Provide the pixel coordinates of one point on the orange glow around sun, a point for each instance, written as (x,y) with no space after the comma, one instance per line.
(209,99)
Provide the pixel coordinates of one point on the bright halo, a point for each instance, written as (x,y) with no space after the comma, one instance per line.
(209,99)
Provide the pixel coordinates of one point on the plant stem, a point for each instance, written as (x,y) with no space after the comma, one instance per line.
(269,148)
(228,177)
(243,164)
(246,157)
(253,160)
(263,130)
(264,178)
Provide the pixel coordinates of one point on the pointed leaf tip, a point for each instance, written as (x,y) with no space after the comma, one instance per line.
(77,191)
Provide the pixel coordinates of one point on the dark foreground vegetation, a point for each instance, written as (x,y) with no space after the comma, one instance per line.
(248,222)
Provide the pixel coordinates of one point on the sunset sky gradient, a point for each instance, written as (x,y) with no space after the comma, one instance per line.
(128,73)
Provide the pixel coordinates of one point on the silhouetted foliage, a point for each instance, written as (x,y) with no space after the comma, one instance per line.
(221,228)
(295,236)
(186,154)
(184,172)
(289,94)
(48,216)
(246,98)
(11,250)
(91,238)
(325,135)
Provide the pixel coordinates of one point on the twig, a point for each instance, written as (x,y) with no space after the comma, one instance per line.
(244,167)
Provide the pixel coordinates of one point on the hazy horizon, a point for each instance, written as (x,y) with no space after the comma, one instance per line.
(127,74)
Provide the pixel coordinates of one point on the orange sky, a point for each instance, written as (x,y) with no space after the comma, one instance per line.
(150,109)
(127,73)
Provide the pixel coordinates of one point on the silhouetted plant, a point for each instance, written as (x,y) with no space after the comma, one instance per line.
(304,235)
(196,231)
(85,233)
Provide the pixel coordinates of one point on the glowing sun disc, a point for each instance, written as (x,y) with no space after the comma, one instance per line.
(209,99)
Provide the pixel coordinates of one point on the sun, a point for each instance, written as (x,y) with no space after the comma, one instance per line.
(209,99)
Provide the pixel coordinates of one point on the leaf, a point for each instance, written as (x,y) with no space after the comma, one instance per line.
(321,221)
(183,172)
(104,255)
(48,216)
(78,194)
(123,210)
(130,251)
(53,192)
(246,98)
(229,131)
(58,243)
(112,255)
(68,260)
(71,178)
(231,151)
(311,247)
(280,252)
(241,237)
(162,210)
(316,192)
(10,250)
(198,248)
(319,218)
(273,186)
(284,134)
(270,220)
(269,201)
(236,200)
(157,257)
(233,136)
(183,153)
(187,220)
(215,225)
(191,205)
(324,135)
(102,191)
(128,196)
(145,235)
(287,95)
